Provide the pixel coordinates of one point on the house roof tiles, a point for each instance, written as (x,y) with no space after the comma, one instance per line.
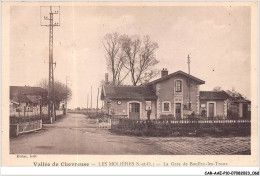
(213,95)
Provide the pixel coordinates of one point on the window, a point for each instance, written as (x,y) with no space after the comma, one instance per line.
(178,86)
(166,106)
(134,107)
(249,107)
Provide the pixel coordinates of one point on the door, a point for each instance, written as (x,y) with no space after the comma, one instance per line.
(134,111)
(245,111)
(211,109)
(178,110)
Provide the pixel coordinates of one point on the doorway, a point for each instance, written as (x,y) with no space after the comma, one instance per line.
(178,110)
(134,111)
(211,110)
(245,111)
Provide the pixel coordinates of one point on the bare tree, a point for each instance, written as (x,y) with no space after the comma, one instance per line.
(148,75)
(236,96)
(115,59)
(140,58)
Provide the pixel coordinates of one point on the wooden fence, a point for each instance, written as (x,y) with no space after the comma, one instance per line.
(23,124)
(24,127)
(104,123)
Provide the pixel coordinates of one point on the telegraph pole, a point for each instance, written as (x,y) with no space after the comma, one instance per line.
(49,17)
(66,101)
(189,80)
(189,63)
(97,98)
(87,103)
(91,99)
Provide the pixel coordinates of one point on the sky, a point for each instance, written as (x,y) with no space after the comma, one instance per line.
(216,37)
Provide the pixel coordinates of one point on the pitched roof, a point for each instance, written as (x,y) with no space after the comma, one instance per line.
(19,93)
(177,73)
(241,101)
(213,95)
(128,92)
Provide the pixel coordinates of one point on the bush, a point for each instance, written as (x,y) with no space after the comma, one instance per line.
(167,117)
(166,128)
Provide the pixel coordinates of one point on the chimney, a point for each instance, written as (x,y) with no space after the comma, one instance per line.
(106,78)
(164,72)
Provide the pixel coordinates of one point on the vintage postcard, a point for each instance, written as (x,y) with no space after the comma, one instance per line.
(129,84)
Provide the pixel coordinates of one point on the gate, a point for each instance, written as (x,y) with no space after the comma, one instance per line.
(104,123)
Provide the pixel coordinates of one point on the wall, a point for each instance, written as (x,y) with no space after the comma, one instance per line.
(205,103)
(118,109)
(35,111)
(240,112)
(123,108)
(165,92)
(19,111)
(219,106)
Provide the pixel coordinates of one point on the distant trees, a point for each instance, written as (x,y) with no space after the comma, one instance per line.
(60,91)
(130,55)
(236,96)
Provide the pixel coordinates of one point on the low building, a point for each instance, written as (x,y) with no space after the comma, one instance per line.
(239,109)
(173,95)
(26,100)
(214,104)
(129,101)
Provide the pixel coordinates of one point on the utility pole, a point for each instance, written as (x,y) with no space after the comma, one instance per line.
(49,17)
(189,104)
(87,103)
(97,98)
(91,99)
(189,63)
(66,100)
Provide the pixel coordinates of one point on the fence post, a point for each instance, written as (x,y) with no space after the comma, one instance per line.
(41,124)
(17,129)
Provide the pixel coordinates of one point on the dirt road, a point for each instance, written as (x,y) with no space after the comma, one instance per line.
(76,134)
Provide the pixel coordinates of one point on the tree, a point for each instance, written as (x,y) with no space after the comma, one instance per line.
(232,110)
(139,58)
(236,96)
(60,91)
(148,75)
(114,57)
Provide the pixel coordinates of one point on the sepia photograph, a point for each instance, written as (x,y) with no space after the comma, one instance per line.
(143,79)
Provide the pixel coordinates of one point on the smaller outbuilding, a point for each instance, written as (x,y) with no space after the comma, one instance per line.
(239,108)
(214,104)
(26,100)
